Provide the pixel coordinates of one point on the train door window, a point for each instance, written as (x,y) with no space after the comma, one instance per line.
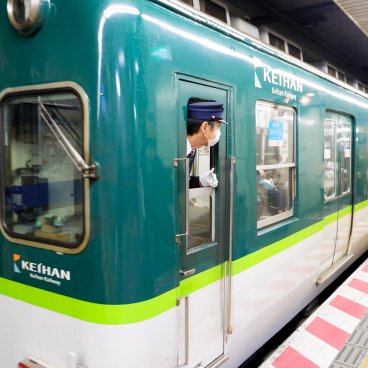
(275,162)
(345,142)
(329,162)
(337,155)
(43,189)
(201,206)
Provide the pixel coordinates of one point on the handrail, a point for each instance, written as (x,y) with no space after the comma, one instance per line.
(183,205)
(88,171)
(229,328)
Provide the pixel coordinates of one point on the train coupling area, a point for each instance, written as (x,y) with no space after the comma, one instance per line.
(335,335)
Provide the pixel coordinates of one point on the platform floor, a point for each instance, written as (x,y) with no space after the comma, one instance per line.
(335,335)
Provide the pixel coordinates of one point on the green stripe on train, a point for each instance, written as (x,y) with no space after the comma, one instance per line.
(104,313)
(136,312)
(252,259)
(91,312)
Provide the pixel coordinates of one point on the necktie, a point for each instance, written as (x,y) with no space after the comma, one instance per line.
(191,155)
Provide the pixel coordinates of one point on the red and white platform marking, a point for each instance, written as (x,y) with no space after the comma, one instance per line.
(316,343)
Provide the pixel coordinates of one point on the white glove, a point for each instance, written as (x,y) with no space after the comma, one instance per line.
(209,179)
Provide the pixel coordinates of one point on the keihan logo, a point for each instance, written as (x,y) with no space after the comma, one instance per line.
(16,257)
(39,271)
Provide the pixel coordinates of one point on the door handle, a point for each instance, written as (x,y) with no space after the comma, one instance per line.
(182,167)
(188,272)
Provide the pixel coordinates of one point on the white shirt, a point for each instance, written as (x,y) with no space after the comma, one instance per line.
(189,147)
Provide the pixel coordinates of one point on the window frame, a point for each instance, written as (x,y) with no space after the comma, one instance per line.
(59,87)
(292,166)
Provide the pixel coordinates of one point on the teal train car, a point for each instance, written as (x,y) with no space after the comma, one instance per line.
(107,258)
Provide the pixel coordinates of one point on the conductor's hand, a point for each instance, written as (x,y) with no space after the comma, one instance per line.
(209,179)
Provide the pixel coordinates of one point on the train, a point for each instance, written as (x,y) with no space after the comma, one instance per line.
(107,258)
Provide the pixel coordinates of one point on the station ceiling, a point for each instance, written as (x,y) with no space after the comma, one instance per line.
(335,31)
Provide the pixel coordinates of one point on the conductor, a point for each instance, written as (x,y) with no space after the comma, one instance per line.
(203,129)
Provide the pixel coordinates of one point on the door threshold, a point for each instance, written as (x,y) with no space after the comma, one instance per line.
(325,275)
(219,361)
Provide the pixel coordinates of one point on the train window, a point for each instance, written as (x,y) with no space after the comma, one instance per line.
(337,155)
(275,156)
(329,158)
(43,190)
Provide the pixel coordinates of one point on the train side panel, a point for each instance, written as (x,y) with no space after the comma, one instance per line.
(126,303)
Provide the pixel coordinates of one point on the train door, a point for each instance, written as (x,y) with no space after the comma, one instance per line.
(201,239)
(338,214)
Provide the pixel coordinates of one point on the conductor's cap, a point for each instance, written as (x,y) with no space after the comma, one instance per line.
(205,110)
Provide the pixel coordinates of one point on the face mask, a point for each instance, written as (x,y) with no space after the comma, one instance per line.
(212,142)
